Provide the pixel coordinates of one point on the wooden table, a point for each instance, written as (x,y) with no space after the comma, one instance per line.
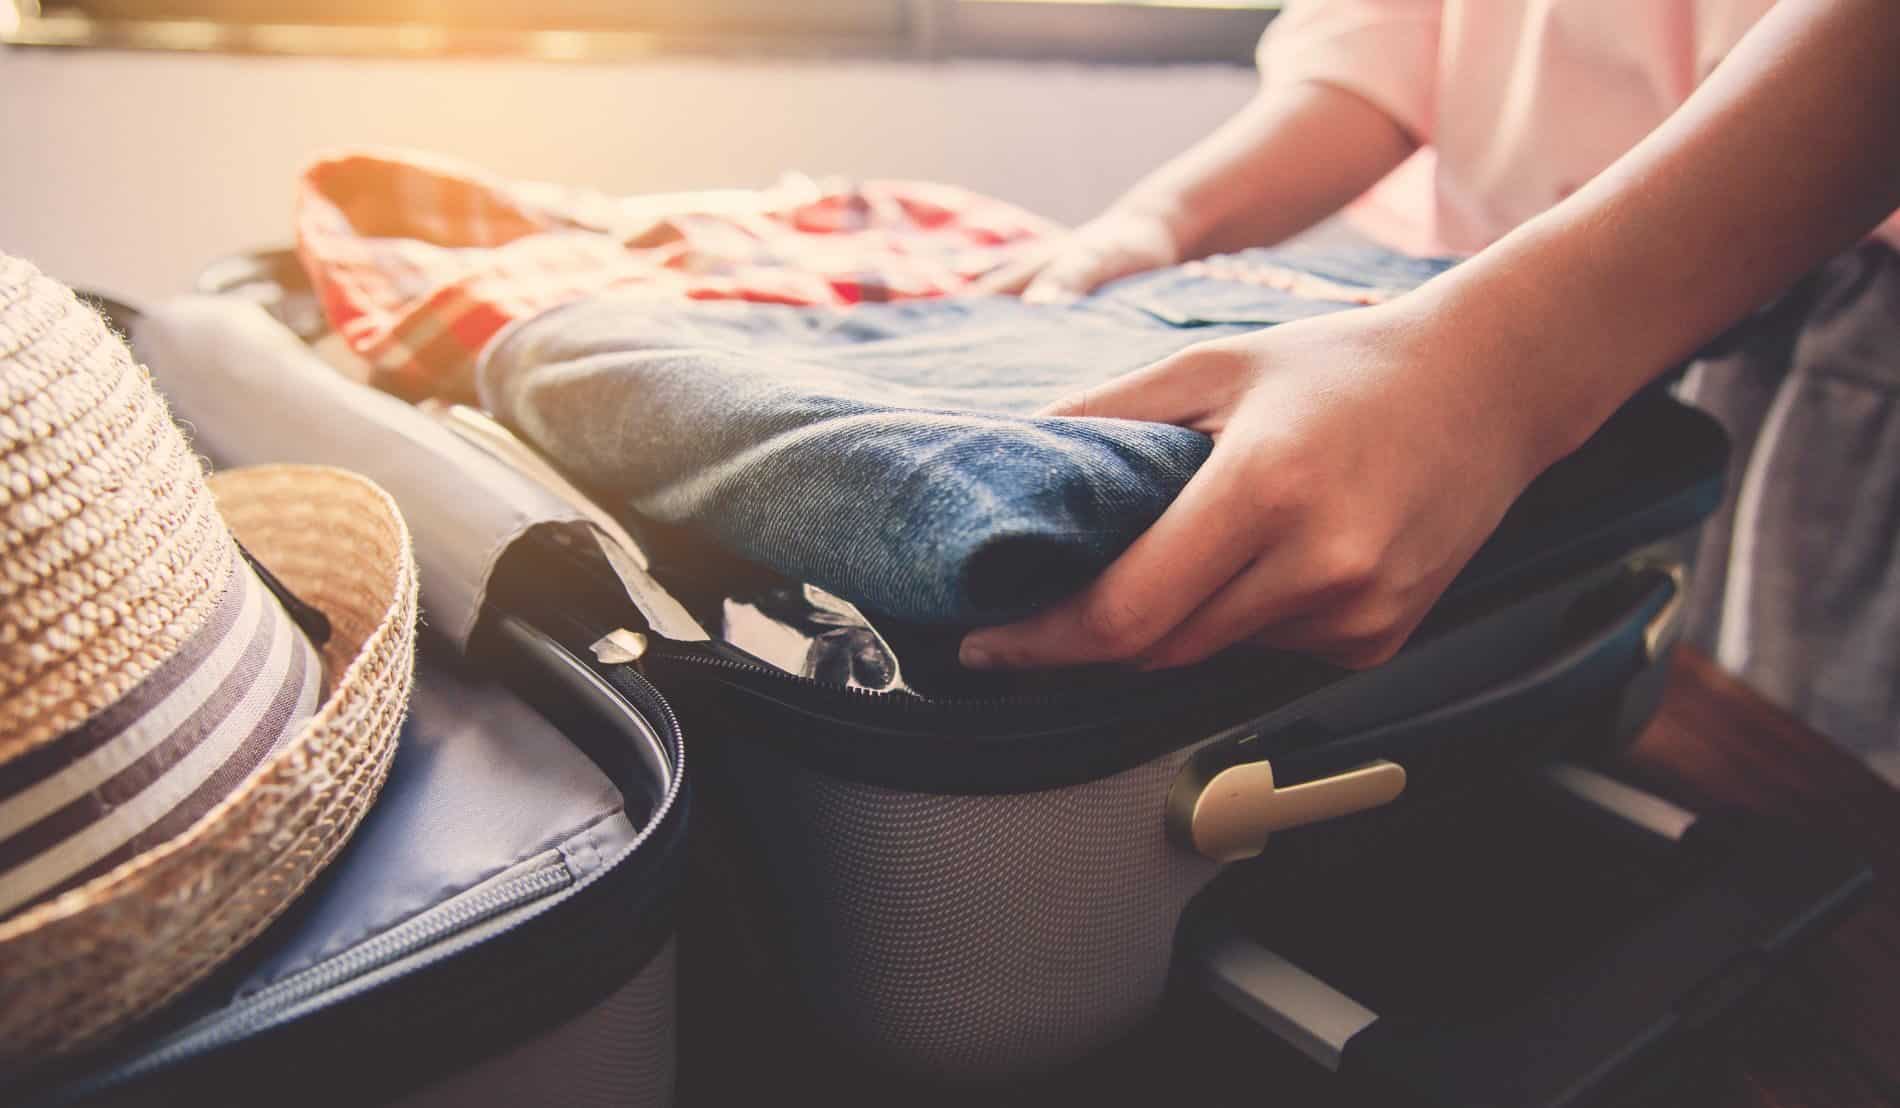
(1826,1032)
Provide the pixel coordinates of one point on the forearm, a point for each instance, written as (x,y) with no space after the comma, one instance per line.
(1290,158)
(1788,153)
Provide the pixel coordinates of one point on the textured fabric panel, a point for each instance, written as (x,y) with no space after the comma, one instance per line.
(617,1054)
(1798,581)
(973,937)
(479,784)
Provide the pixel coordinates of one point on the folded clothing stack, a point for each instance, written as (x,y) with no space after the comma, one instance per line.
(888,453)
(859,422)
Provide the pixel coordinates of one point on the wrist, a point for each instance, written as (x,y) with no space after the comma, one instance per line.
(1521,372)
(1166,214)
(1525,325)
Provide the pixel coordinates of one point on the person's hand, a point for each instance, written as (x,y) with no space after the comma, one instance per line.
(1114,244)
(1359,460)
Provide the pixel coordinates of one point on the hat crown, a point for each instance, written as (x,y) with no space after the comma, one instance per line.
(144,668)
(111,549)
(177,762)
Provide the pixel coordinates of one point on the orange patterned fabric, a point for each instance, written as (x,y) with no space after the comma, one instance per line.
(419,261)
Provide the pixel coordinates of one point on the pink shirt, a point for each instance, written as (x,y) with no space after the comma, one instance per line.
(1518,102)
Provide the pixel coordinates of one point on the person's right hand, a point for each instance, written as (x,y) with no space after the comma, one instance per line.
(1114,244)
(1360,459)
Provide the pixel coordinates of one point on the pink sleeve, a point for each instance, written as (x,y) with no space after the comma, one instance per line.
(1383,50)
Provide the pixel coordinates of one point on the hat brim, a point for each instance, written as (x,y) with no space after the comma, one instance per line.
(101,955)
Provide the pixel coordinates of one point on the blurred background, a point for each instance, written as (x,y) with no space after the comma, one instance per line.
(145,137)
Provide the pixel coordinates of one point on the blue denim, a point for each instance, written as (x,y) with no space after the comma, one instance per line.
(886,453)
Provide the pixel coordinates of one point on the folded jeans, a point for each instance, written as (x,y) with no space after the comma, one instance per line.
(888,453)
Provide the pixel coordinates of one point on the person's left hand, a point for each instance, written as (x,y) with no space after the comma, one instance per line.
(1359,460)
(1114,244)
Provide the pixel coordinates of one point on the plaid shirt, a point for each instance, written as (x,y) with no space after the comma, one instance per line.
(419,261)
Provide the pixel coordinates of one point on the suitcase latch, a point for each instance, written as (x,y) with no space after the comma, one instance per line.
(1230,815)
(1662,631)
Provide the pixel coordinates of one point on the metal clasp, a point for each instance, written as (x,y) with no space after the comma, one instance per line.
(1665,627)
(620,647)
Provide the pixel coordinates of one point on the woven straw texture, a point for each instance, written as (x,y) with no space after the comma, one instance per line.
(112,555)
(90,961)
(110,543)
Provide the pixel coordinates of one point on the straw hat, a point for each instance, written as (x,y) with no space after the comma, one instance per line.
(184,743)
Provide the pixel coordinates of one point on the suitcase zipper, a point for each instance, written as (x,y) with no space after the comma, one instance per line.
(1013,745)
(1203,689)
(1078,709)
(668,650)
(426,940)
(589,620)
(270,1004)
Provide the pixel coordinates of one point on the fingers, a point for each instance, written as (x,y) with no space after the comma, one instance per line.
(1076,272)
(1182,390)
(1355,627)
(1287,588)
(1287,600)
(1077,264)
(1055,276)
(1196,546)
(1355,640)
(1011,278)
(1242,553)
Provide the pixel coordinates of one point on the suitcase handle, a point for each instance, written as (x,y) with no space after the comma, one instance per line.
(1226,809)
(1684,964)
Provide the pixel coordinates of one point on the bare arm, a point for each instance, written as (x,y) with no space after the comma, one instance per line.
(1289,159)
(1293,156)
(1788,153)
(1361,458)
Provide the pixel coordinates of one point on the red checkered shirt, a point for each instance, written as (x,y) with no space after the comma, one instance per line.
(419,261)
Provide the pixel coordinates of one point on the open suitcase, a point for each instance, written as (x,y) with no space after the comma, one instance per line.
(500,929)
(980,889)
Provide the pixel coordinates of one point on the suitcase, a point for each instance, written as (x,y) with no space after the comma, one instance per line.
(499,931)
(981,889)
(1573,961)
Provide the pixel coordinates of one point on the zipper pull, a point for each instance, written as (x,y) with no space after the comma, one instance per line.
(620,647)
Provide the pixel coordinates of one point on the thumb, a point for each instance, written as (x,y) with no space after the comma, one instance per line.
(1182,390)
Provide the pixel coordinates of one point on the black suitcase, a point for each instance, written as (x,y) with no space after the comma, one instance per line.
(1560,939)
(981,889)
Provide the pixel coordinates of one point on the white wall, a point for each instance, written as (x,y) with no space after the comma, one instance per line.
(125,172)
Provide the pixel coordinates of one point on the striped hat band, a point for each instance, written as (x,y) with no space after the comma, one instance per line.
(178,757)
